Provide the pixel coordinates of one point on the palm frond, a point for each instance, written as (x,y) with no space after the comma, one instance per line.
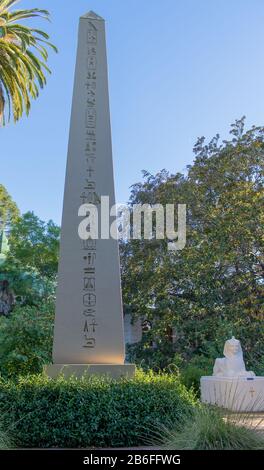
(23,60)
(6,4)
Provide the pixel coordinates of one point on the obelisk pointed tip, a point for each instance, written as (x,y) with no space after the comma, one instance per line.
(92,16)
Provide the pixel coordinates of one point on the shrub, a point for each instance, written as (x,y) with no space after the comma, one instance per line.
(192,371)
(205,428)
(26,340)
(92,411)
(5,440)
(147,357)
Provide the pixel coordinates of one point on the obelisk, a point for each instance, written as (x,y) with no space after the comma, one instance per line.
(88,332)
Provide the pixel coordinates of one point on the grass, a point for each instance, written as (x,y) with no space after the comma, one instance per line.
(208,428)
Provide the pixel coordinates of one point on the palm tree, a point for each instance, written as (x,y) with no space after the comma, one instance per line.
(23,60)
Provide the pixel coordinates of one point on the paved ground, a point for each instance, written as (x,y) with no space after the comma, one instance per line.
(250,420)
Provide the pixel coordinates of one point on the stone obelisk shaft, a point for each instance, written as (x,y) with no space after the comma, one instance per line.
(89,319)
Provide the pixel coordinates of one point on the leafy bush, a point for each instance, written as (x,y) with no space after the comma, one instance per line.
(205,428)
(5,440)
(92,411)
(192,371)
(257,363)
(26,340)
(148,357)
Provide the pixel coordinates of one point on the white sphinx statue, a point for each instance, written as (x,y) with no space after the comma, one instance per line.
(232,365)
(231,386)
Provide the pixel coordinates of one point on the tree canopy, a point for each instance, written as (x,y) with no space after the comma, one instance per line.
(215,285)
(32,260)
(8,208)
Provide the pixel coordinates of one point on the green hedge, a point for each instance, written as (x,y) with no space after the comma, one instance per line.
(26,340)
(91,412)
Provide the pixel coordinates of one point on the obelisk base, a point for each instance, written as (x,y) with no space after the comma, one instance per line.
(113,371)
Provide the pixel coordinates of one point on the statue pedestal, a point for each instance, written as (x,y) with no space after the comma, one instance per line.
(114,371)
(235,394)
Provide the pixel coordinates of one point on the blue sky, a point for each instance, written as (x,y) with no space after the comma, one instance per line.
(178,69)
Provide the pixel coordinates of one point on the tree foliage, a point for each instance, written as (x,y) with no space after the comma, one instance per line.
(8,213)
(215,285)
(26,339)
(35,244)
(8,208)
(32,261)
